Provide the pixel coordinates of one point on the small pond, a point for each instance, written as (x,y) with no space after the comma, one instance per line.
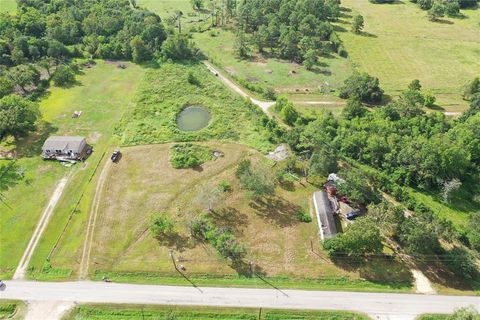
(193,118)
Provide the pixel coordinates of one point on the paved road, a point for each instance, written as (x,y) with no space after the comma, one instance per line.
(387,306)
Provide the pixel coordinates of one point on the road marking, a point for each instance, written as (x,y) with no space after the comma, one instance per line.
(42,224)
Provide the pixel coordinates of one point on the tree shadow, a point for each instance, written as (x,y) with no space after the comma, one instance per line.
(387,270)
(176,241)
(443,21)
(31,145)
(437,272)
(338,28)
(231,218)
(368,34)
(277,210)
(436,107)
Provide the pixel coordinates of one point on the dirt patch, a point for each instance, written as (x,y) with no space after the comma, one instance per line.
(231,71)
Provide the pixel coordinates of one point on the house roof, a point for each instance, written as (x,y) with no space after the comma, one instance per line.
(324,213)
(64,142)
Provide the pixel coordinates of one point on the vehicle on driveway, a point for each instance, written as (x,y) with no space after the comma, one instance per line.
(353,215)
(116,155)
(3,286)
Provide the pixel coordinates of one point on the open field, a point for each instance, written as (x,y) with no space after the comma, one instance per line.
(8,6)
(399,44)
(165,92)
(278,244)
(111,312)
(103,94)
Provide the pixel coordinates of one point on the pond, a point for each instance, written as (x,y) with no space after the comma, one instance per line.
(193,118)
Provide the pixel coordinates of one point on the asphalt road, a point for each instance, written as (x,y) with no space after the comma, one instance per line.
(385,305)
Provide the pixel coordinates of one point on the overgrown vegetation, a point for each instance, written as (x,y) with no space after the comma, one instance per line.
(113,312)
(189,155)
(166,91)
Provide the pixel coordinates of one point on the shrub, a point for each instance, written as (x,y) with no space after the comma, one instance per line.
(192,79)
(303,216)
(189,155)
(64,76)
(429,99)
(225,186)
(161,225)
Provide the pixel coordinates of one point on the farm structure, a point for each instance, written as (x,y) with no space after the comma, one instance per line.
(324,212)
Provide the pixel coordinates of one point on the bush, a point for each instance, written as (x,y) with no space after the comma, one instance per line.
(189,155)
(64,76)
(362,86)
(225,186)
(303,216)
(161,225)
(178,47)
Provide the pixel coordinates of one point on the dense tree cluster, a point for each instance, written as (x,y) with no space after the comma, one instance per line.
(362,86)
(292,29)
(59,29)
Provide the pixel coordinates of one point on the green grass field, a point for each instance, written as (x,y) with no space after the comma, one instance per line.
(125,312)
(104,92)
(400,44)
(12,309)
(8,6)
(165,92)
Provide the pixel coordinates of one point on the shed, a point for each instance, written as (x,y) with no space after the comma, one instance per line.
(324,211)
(65,148)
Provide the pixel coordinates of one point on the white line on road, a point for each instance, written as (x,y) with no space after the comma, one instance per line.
(42,224)
(385,305)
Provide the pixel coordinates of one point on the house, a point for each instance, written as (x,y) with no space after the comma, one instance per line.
(65,148)
(324,212)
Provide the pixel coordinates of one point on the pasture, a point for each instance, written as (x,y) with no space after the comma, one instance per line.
(103,93)
(400,44)
(279,246)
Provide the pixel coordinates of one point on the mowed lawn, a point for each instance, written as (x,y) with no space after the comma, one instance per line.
(8,6)
(104,92)
(278,244)
(400,44)
(114,312)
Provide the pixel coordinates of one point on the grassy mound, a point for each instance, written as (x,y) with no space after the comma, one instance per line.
(166,91)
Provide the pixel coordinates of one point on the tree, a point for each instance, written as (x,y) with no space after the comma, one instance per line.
(387,217)
(362,86)
(415,85)
(357,24)
(228,246)
(472,89)
(259,180)
(289,114)
(355,186)
(310,59)
(196,4)
(353,109)
(461,262)
(474,231)
(64,76)
(6,86)
(17,116)
(436,11)
(429,99)
(178,47)
(241,47)
(418,236)
(450,187)
(161,225)
(24,76)
(323,162)
(140,52)
(359,239)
